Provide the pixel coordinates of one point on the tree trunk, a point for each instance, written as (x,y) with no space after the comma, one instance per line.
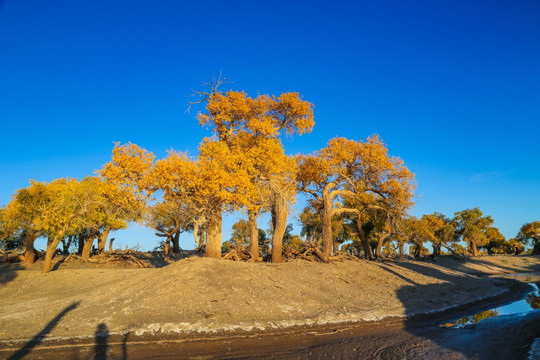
(81,244)
(401,246)
(368,253)
(87,248)
(167,248)
(110,245)
(417,251)
(196,235)
(326,225)
(28,256)
(102,240)
(474,248)
(536,248)
(280,212)
(253,235)
(335,249)
(176,242)
(437,249)
(213,236)
(380,242)
(51,247)
(66,244)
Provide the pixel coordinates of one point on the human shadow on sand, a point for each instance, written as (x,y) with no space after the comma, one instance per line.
(494,338)
(101,347)
(38,338)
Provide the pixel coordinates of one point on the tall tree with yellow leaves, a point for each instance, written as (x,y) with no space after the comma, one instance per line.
(67,212)
(358,172)
(251,127)
(22,214)
(471,227)
(530,232)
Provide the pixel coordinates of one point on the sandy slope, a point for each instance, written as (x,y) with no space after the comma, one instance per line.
(199,294)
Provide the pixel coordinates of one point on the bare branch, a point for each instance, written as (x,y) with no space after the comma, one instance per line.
(203,96)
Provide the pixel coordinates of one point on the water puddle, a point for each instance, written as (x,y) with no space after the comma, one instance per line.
(529,303)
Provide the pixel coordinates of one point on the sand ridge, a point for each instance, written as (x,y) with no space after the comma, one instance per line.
(207,295)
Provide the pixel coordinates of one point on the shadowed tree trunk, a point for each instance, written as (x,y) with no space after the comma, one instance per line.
(253,235)
(364,236)
(29,254)
(401,246)
(335,248)
(437,249)
(280,212)
(176,242)
(66,243)
(167,248)
(81,244)
(102,240)
(170,234)
(417,251)
(213,236)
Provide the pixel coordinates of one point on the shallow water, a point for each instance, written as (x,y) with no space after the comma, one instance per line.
(530,302)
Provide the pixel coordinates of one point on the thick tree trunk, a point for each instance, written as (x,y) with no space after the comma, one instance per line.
(87,248)
(326,225)
(474,248)
(167,248)
(82,240)
(253,235)
(102,240)
(380,242)
(176,242)
(368,253)
(280,212)
(378,249)
(437,249)
(51,247)
(213,236)
(28,256)
(536,248)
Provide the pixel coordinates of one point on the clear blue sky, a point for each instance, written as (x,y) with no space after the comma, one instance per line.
(452,87)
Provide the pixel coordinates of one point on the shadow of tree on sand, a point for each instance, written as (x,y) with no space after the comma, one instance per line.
(8,273)
(494,338)
(38,338)
(461,265)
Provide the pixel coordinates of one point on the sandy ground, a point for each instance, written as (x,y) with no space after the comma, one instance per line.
(198,295)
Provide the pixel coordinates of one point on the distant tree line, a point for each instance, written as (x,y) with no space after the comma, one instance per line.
(359,195)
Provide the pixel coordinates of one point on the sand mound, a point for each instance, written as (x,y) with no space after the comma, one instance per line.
(200,295)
